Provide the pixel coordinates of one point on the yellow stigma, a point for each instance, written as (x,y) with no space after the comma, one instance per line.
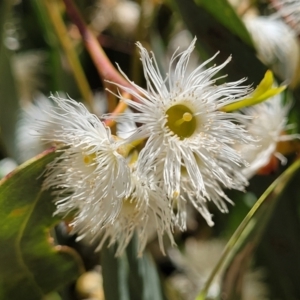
(186,117)
(129,207)
(88,159)
(176,194)
(181,121)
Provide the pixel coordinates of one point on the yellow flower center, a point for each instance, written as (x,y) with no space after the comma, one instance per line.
(88,159)
(181,121)
(129,207)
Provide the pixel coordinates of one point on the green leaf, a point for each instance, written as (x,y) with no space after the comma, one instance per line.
(31,266)
(114,272)
(214,30)
(129,277)
(61,79)
(58,76)
(244,241)
(225,14)
(144,283)
(5,7)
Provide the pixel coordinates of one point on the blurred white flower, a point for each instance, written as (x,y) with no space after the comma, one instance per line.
(90,177)
(28,142)
(254,287)
(268,126)
(6,166)
(276,44)
(126,25)
(190,140)
(196,263)
(121,16)
(289,10)
(29,68)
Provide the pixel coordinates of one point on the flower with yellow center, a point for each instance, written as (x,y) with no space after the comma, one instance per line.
(144,212)
(90,177)
(182,119)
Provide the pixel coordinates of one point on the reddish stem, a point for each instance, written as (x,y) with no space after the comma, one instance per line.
(105,68)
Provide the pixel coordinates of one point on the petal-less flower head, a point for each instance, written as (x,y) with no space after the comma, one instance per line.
(268,126)
(144,213)
(189,138)
(90,172)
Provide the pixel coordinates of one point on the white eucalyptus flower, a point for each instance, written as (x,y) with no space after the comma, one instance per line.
(28,142)
(190,140)
(91,176)
(144,212)
(268,127)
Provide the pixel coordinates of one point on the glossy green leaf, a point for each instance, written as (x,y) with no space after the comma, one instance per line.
(244,241)
(218,28)
(114,272)
(31,266)
(130,277)
(144,283)
(225,14)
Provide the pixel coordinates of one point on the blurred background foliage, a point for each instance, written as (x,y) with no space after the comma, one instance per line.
(42,52)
